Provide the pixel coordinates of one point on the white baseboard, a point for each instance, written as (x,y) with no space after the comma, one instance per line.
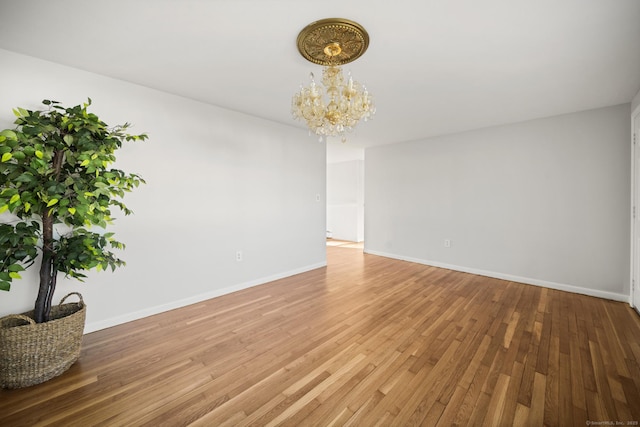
(512,278)
(118,320)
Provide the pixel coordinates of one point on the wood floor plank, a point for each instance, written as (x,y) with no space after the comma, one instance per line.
(510,404)
(365,341)
(471,402)
(538,400)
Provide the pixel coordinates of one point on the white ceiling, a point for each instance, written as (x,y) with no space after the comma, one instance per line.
(434,66)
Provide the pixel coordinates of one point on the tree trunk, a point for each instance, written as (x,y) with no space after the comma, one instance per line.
(42,308)
(48,271)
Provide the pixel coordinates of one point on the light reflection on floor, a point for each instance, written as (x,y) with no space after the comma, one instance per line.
(345,244)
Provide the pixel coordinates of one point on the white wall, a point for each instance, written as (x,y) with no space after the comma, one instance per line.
(544,202)
(345,200)
(218,182)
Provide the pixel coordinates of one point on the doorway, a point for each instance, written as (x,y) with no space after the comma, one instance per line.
(345,193)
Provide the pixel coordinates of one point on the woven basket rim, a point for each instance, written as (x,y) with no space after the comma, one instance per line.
(80,305)
(51,321)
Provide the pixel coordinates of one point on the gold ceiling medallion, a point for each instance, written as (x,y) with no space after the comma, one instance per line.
(333,41)
(338,104)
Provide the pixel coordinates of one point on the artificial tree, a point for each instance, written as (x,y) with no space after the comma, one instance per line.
(56,181)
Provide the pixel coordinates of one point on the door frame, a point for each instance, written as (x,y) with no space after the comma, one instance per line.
(634,281)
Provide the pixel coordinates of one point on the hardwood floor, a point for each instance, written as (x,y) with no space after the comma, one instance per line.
(367,341)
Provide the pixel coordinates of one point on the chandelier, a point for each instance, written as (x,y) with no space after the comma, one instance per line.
(338,104)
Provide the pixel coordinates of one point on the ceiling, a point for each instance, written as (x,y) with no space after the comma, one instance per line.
(434,66)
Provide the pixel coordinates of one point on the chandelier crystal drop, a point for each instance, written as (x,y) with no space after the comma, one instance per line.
(336,105)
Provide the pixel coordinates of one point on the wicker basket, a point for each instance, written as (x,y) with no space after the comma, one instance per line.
(32,353)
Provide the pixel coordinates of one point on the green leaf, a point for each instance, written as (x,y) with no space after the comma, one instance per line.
(68,139)
(52,202)
(5,286)
(14,275)
(39,154)
(27,206)
(25,177)
(72,211)
(14,198)
(9,134)
(6,157)
(19,155)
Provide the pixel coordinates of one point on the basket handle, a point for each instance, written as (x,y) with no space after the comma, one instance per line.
(81,302)
(27,319)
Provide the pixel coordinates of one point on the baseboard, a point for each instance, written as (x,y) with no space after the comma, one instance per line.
(118,320)
(512,278)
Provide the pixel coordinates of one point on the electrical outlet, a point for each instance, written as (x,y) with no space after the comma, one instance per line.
(238,255)
(447,243)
